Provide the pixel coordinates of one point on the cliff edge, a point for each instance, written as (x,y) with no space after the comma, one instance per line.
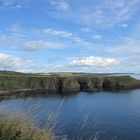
(64,83)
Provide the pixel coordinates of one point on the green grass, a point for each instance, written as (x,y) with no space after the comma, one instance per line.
(8,83)
(11,83)
(124,79)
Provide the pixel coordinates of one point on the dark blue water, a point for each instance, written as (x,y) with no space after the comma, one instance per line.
(109,115)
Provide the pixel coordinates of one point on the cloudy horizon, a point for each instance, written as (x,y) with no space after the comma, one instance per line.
(70,36)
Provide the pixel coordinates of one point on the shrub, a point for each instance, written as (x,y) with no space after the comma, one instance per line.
(17,127)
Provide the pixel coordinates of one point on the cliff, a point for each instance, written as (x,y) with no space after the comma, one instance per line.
(66,83)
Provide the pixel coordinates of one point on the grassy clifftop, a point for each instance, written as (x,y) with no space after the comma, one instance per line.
(65,81)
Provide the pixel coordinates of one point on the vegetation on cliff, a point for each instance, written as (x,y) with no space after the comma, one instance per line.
(65,82)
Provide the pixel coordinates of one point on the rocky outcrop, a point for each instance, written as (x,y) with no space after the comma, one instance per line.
(63,84)
(44,83)
(123,82)
(87,85)
(70,85)
(109,84)
(98,82)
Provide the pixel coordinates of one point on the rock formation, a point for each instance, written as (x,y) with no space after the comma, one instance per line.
(63,84)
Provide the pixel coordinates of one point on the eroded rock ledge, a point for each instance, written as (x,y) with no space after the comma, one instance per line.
(63,84)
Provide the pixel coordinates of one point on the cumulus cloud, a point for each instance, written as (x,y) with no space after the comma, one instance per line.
(10,62)
(20,64)
(93,61)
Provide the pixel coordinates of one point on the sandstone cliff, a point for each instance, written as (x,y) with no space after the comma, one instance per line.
(63,84)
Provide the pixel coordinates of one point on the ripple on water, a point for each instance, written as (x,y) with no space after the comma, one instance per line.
(118,113)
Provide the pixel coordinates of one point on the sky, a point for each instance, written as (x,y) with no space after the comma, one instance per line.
(98,36)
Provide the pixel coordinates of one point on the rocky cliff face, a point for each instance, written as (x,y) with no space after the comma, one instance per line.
(68,84)
(44,83)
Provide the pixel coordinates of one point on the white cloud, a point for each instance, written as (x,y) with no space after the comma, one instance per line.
(53,32)
(111,13)
(65,35)
(39,39)
(126,46)
(41,44)
(105,13)
(93,61)
(12,4)
(10,41)
(60,4)
(34,39)
(97,37)
(10,62)
(33,46)
(20,64)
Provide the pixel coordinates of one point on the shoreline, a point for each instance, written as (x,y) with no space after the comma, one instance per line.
(34,92)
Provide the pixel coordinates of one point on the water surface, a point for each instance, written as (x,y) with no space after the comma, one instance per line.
(114,115)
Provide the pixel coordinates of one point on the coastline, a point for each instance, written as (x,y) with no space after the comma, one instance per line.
(27,84)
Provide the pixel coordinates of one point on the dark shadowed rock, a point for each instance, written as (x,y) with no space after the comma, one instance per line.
(98,82)
(120,82)
(87,85)
(109,84)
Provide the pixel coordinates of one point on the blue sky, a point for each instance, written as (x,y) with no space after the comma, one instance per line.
(70,35)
